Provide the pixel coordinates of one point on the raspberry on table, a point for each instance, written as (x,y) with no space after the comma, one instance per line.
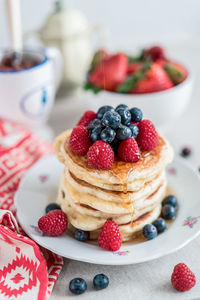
(54,223)
(87,117)
(147,138)
(80,140)
(182,279)
(110,237)
(100,155)
(128,151)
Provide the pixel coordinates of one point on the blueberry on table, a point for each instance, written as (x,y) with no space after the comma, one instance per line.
(171,200)
(100,281)
(81,235)
(124,106)
(111,119)
(168,212)
(108,135)
(102,110)
(136,114)
(77,286)
(123,133)
(160,225)
(186,151)
(52,206)
(150,231)
(125,115)
(134,129)
(95,134)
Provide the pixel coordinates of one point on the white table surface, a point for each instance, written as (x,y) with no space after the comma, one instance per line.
(149,280)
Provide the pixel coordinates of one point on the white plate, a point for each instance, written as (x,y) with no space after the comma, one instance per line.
(39,187)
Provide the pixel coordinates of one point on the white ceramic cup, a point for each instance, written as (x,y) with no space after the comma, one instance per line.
(27,96)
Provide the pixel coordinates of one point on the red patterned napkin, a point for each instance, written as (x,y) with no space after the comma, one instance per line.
(27,271)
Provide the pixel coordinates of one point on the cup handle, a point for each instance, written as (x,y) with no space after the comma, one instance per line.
(54,54)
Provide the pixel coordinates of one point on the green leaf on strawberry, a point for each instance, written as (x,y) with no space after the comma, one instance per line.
(88,86)
(174,74)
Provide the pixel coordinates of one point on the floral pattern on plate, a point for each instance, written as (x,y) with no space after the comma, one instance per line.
(190,221)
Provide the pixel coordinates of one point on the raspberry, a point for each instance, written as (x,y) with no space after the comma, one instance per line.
(128,151)
(147,138)
(183,279)
(80,141)
(110,237)
(54,223)
(87,117)
(100,155)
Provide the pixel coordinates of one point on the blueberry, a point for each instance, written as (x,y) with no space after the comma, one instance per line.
(124,106)
(115,145)
(186,152)
(123,133)
(171,200)
(77,286)
(125,115)
(134,129)
(96,133)
(102,110)
(108,135)
(93,124)
(160,224)
(111,119)
(150,231)
(81,235)
(52,206)
(100,281)
(136,114)
(168,212)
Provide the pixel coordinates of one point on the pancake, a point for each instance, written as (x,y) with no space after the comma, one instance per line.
(130,230)
(122,176)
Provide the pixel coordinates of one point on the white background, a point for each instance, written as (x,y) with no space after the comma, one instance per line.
(127,20)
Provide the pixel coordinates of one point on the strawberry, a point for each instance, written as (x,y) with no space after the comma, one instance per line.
(182,279)
(99,56)
(176,72)
(128,150)
(155,53)
(156,80)
(100,155)
(110,237)
(79,140)
(54,223)
(110,73)
(87,117)
(147,138)
(134,67)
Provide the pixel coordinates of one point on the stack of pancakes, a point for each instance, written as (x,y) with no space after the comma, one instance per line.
(128,193)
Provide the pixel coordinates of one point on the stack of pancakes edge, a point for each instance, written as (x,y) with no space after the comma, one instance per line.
(128,193)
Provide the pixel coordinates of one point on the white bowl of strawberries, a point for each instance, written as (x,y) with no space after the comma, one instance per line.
(159,86)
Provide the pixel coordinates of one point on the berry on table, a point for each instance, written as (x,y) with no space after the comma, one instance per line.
(100,281)
(88,116)
(95,134)
(134,129)
(168,212)
(102,110)
(128,151)
(81,235)
(100,155)
(77,286)
(108,135)
(52,206)
(125,115)
(111,119)
(54,223)
(123,133)
(136,114)
(171,200)
(147,138)
(110,237)
(149,231)
(160,225)
(186,151)
(182,279)
(80,140)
